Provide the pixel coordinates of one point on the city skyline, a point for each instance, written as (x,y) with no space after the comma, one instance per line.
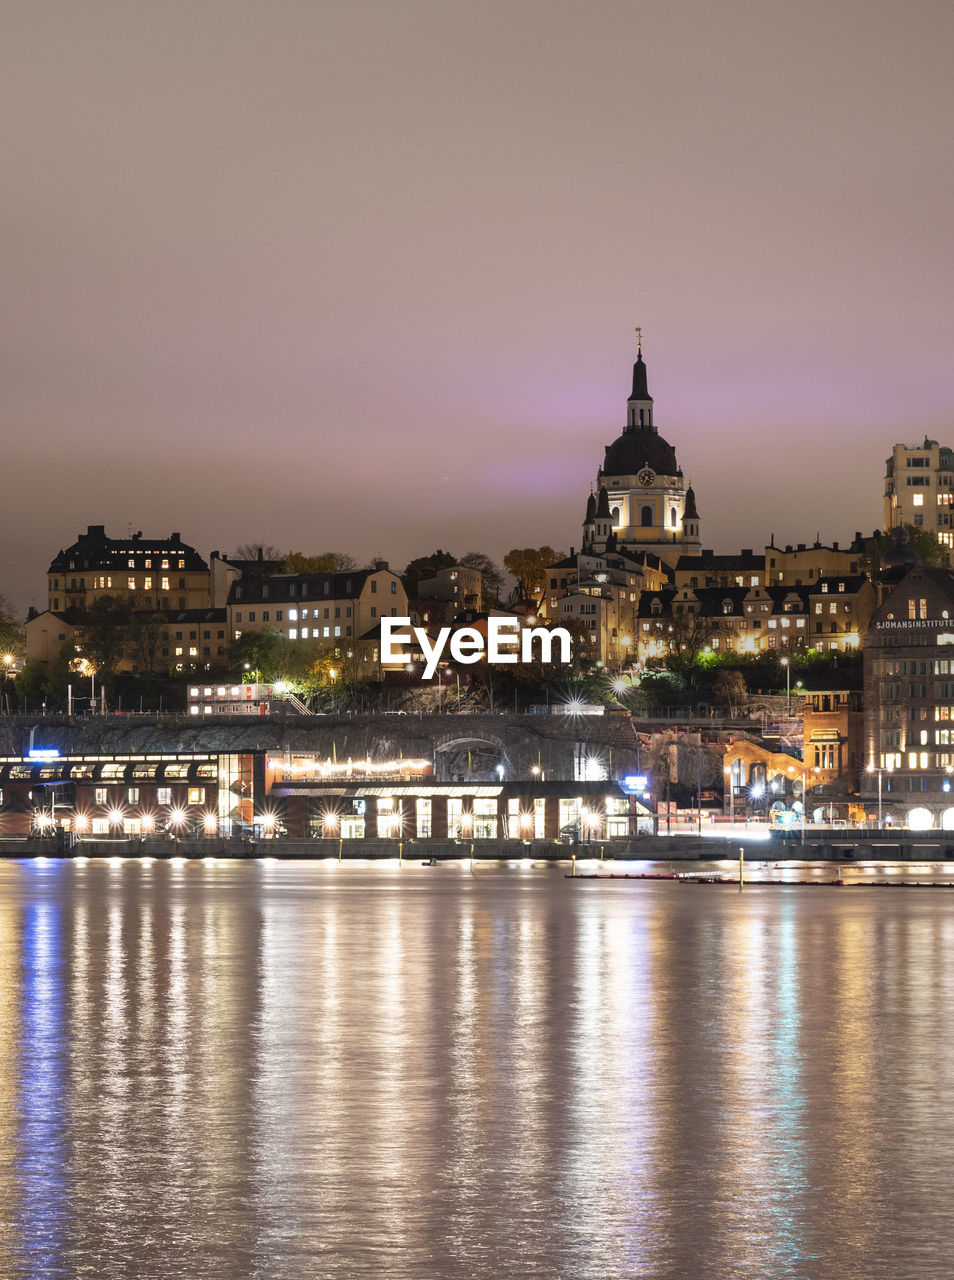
(368,279)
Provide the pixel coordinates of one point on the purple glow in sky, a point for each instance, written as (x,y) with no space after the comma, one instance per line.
(365,276)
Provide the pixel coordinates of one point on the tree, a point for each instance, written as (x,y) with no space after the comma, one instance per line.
(529,566)
(343,562)
(105,637)
(257,551)
(11,632)
(491,579)
(425,567)
(926,546)
(686,638)
(356,672)
(730,691)
(145,632)
(262,651)
(295,562)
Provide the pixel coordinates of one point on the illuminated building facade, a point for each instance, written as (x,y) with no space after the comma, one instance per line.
(840,610)
(262,794)
(151,573)
(804,563)
(919,489)
(168,641)
(909,700)
(175,793)
(331,608)
(641,502)
(833,729)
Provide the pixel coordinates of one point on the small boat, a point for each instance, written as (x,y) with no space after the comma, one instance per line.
(431,862)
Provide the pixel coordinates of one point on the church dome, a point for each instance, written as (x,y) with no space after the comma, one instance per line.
(642,447)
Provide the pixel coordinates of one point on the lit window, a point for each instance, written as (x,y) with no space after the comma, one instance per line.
(918,499)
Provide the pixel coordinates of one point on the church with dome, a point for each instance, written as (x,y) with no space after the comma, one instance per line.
(641,502)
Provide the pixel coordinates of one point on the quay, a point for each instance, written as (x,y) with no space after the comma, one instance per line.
(866,847)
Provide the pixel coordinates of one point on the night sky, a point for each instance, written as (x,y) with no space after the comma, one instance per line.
(365,276)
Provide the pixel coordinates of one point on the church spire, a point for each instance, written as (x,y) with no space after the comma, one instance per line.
(639,407)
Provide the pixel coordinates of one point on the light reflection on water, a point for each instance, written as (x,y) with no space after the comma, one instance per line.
(282,1070)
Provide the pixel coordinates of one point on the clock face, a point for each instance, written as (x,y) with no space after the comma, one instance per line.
(646,476)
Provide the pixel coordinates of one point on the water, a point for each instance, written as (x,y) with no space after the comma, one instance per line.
(312,1070)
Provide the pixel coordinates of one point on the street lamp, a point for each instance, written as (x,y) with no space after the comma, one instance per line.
(728,774)
(788,687)
(872,768)
(8,670)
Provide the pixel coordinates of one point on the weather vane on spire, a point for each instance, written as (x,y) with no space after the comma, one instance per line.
(639,340)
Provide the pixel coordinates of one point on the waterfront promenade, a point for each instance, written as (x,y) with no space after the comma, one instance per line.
(828,846)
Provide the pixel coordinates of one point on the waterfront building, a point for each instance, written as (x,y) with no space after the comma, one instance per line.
(833,728)
(454,778)
(458,585)
(159,641)
(224,571)
(804,563)
(721,619)
(840,610)
(740,569)
(909,700)
(151,573)
(332,608)
(919,489)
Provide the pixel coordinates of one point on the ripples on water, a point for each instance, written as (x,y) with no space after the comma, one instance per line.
(283,1070)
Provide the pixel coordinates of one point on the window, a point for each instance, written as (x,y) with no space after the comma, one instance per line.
(100,795)
(197,795)
(132,795)
(646,517)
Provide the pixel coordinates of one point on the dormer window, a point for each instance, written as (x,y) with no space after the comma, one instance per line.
(727,605)
(656,606)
